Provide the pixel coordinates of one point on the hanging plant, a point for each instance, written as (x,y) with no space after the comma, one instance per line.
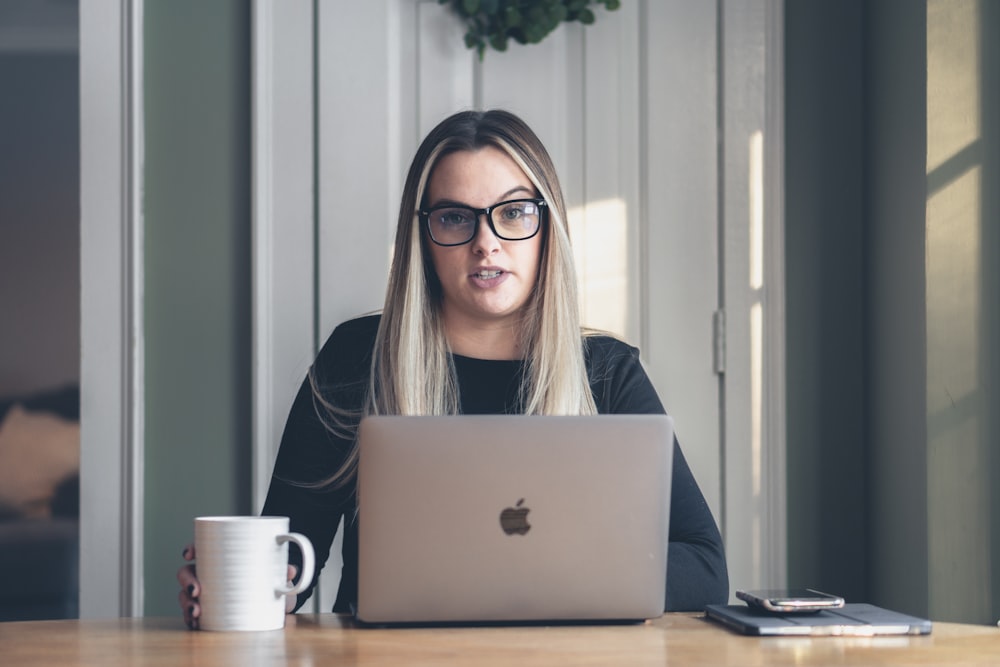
(494,23)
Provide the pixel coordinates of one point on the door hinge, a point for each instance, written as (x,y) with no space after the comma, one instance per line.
(719,342)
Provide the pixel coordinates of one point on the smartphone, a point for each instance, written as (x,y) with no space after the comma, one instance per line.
(791,600)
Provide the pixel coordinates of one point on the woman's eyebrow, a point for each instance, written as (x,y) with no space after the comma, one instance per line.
(455,202)
(517,189)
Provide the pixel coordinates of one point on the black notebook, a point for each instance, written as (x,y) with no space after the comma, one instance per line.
(851,620)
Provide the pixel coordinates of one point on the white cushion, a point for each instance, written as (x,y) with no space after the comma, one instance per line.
(38,451)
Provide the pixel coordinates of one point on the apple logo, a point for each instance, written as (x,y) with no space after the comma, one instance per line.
(515,519)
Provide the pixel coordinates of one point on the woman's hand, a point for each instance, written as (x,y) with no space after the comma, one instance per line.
(191,589)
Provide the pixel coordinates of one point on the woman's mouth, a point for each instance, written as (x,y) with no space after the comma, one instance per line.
(487,274)
(489,277)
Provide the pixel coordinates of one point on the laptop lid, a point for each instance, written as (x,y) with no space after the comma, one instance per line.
(497,518)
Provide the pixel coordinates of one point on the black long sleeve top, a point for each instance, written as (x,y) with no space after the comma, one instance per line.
(696,562)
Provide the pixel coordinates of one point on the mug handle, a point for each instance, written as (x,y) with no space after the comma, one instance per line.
(308,563)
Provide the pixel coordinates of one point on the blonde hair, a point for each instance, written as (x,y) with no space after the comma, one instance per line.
(412,372)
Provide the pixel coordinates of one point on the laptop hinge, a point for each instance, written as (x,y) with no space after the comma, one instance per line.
(719,341)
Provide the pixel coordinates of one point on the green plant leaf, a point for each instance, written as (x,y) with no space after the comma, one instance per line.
(512,17)
(493,23)
(498,41)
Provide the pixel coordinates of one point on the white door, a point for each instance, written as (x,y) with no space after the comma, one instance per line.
(630,110)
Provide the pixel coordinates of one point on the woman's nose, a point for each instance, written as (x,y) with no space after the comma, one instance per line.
(485,241)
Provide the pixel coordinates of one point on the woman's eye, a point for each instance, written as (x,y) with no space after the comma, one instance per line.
(515,212)
(453,218)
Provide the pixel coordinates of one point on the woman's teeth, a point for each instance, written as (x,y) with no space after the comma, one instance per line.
(486,275)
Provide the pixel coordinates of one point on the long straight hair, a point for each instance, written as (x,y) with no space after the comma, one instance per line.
(412,372)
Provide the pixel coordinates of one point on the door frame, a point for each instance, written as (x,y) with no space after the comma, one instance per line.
(752,298)
(111,308)
(751,362)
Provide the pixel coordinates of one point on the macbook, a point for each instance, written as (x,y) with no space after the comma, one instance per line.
(501,518)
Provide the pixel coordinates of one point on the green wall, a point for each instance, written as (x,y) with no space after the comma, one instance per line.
(991,279)
(197,276)
(824,228)
(896,149)
(892,242)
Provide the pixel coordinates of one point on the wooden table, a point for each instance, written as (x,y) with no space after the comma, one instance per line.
(327,639)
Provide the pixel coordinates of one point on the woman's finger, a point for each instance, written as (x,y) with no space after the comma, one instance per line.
(188,580)
(187,598)
(190,609)
(290,600)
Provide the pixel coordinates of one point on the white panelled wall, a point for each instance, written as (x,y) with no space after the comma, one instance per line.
(630,109)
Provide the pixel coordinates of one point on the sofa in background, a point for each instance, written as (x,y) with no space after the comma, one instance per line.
(40,505)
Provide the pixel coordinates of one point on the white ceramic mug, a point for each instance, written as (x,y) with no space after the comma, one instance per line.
(242,566)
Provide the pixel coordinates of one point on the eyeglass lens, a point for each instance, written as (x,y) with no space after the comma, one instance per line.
(512,221)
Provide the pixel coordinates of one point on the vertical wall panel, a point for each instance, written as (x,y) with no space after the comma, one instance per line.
(283,227)
(532,82)
(109,545)
(752,291)
(197,273)
(825,297)
(896,341)
(680,225)
(445,68)
(742,118)
(367,77)
(957,305)
(607,229)
(357,51)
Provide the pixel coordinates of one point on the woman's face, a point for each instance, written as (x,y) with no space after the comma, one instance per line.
(486,282)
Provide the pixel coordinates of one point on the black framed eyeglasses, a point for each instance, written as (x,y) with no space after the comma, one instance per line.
(514,220)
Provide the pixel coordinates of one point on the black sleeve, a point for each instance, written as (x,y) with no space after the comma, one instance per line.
(310,453)
(696,561)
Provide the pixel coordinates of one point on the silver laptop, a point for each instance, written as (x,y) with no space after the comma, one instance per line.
(499,518)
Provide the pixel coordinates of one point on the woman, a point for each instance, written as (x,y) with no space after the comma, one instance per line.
(480,316)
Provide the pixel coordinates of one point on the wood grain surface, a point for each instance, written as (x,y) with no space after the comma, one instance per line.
(328,639)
